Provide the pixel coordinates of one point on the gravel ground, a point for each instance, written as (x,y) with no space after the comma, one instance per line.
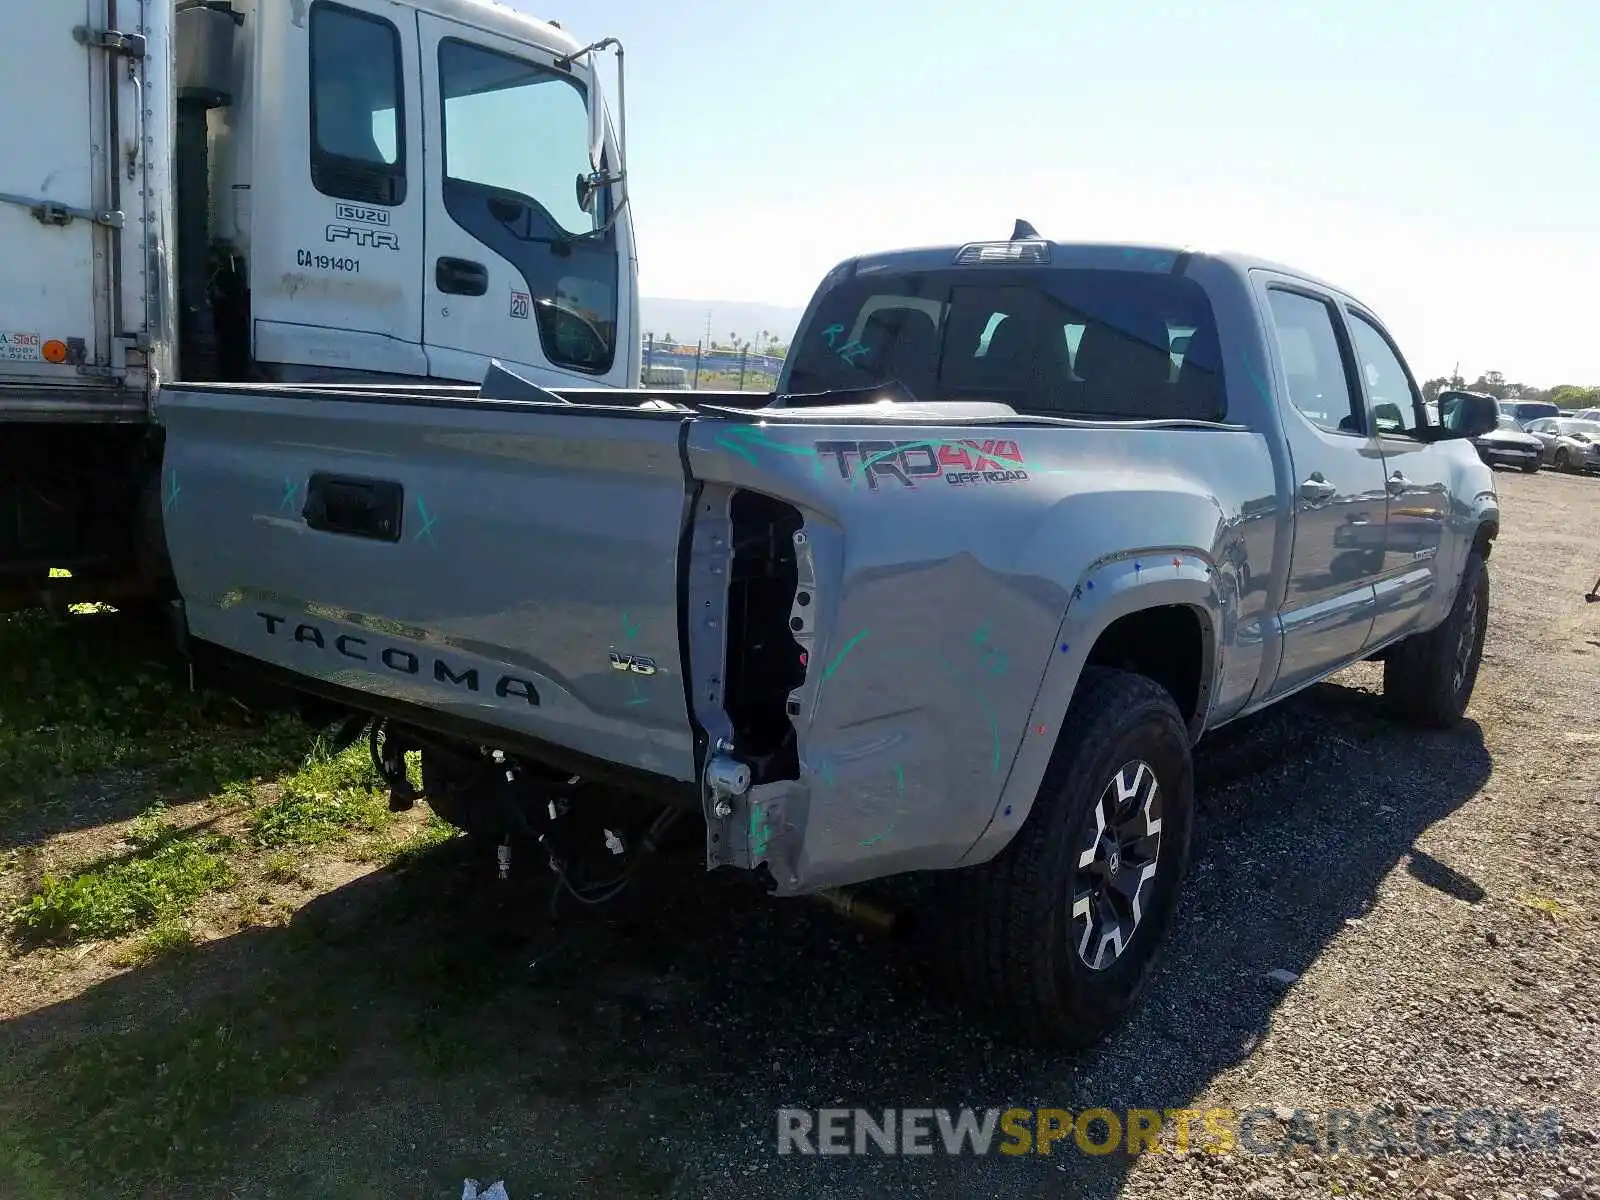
(1433,895)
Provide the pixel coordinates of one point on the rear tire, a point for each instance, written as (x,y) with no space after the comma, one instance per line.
(1428,677)
(453,788)
(1055,938)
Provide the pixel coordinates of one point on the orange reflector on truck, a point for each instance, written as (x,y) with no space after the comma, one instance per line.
(54,351)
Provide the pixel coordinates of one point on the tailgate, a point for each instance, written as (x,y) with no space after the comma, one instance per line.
(515,565)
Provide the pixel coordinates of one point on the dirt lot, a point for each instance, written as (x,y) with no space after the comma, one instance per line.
(268,986)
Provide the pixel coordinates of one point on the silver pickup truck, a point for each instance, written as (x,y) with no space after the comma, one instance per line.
(1022,521)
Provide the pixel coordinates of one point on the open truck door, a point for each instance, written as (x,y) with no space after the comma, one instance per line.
(511,566)
(525,263)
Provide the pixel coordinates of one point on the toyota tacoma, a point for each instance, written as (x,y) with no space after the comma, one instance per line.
(1022,521)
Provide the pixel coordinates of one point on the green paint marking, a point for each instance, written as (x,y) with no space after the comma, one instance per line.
(877,837)
(754,435)
(900,780)
(760,832)
(742,451)
(1261,386)
(933,445)
(848,646)
(428,521)
(982,635)
(629,628)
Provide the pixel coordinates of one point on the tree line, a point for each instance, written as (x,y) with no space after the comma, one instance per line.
(1563,395)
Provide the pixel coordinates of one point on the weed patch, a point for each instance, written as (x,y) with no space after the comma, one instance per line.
(401,852)
(331,796)
(170,938)
(160,878)
(96,692)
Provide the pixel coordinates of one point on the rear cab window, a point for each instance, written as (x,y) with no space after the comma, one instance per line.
(357,114)
(1067,342)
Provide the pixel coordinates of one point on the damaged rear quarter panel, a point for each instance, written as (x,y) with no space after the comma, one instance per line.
(941,597)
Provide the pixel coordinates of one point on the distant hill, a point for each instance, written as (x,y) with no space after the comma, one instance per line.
(685,320)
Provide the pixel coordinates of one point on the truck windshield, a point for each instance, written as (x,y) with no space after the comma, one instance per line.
(516,142)
(1098,344)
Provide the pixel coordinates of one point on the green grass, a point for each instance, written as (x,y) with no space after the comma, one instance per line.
(94,693)
(143,1104)
(402,852)
(329,797)
(161,877)
(168,939)
(126,1097)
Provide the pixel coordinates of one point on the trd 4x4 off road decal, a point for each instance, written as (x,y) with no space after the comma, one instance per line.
(956,463)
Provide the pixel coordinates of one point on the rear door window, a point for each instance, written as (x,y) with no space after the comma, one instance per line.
(1097,344)
(1313,364)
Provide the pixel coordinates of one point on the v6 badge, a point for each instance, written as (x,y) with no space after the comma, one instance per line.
(639,664)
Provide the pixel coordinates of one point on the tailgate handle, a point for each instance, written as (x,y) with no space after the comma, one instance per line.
(368,508)
(461,277)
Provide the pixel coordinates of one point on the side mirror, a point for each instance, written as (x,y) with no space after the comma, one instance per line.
(1468,414)
(598,176)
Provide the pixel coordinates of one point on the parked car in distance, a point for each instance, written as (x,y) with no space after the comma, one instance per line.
(1528,410)
(1586,414)
(1569,444)
(1508,444)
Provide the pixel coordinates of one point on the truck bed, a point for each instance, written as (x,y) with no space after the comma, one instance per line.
(863,603)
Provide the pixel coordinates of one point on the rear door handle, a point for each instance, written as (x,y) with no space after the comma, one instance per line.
(461,277)
(1398,483)
(364,508)
(1317,488)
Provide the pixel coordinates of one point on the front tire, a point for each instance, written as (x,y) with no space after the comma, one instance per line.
(1563,460)
(1055,938)
(1531,468)
(1428,677)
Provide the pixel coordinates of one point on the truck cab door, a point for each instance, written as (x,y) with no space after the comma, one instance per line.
(1417,480)
(1339,501)
(336,201)
(517,267)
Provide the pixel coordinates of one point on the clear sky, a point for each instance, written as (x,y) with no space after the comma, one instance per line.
(1438,158)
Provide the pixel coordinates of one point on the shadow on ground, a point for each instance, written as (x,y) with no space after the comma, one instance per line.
(96,714)
(408,1031)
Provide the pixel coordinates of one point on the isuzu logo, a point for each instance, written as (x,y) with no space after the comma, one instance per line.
(360,212)
(639,664)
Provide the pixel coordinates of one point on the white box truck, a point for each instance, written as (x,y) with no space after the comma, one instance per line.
(280,191)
